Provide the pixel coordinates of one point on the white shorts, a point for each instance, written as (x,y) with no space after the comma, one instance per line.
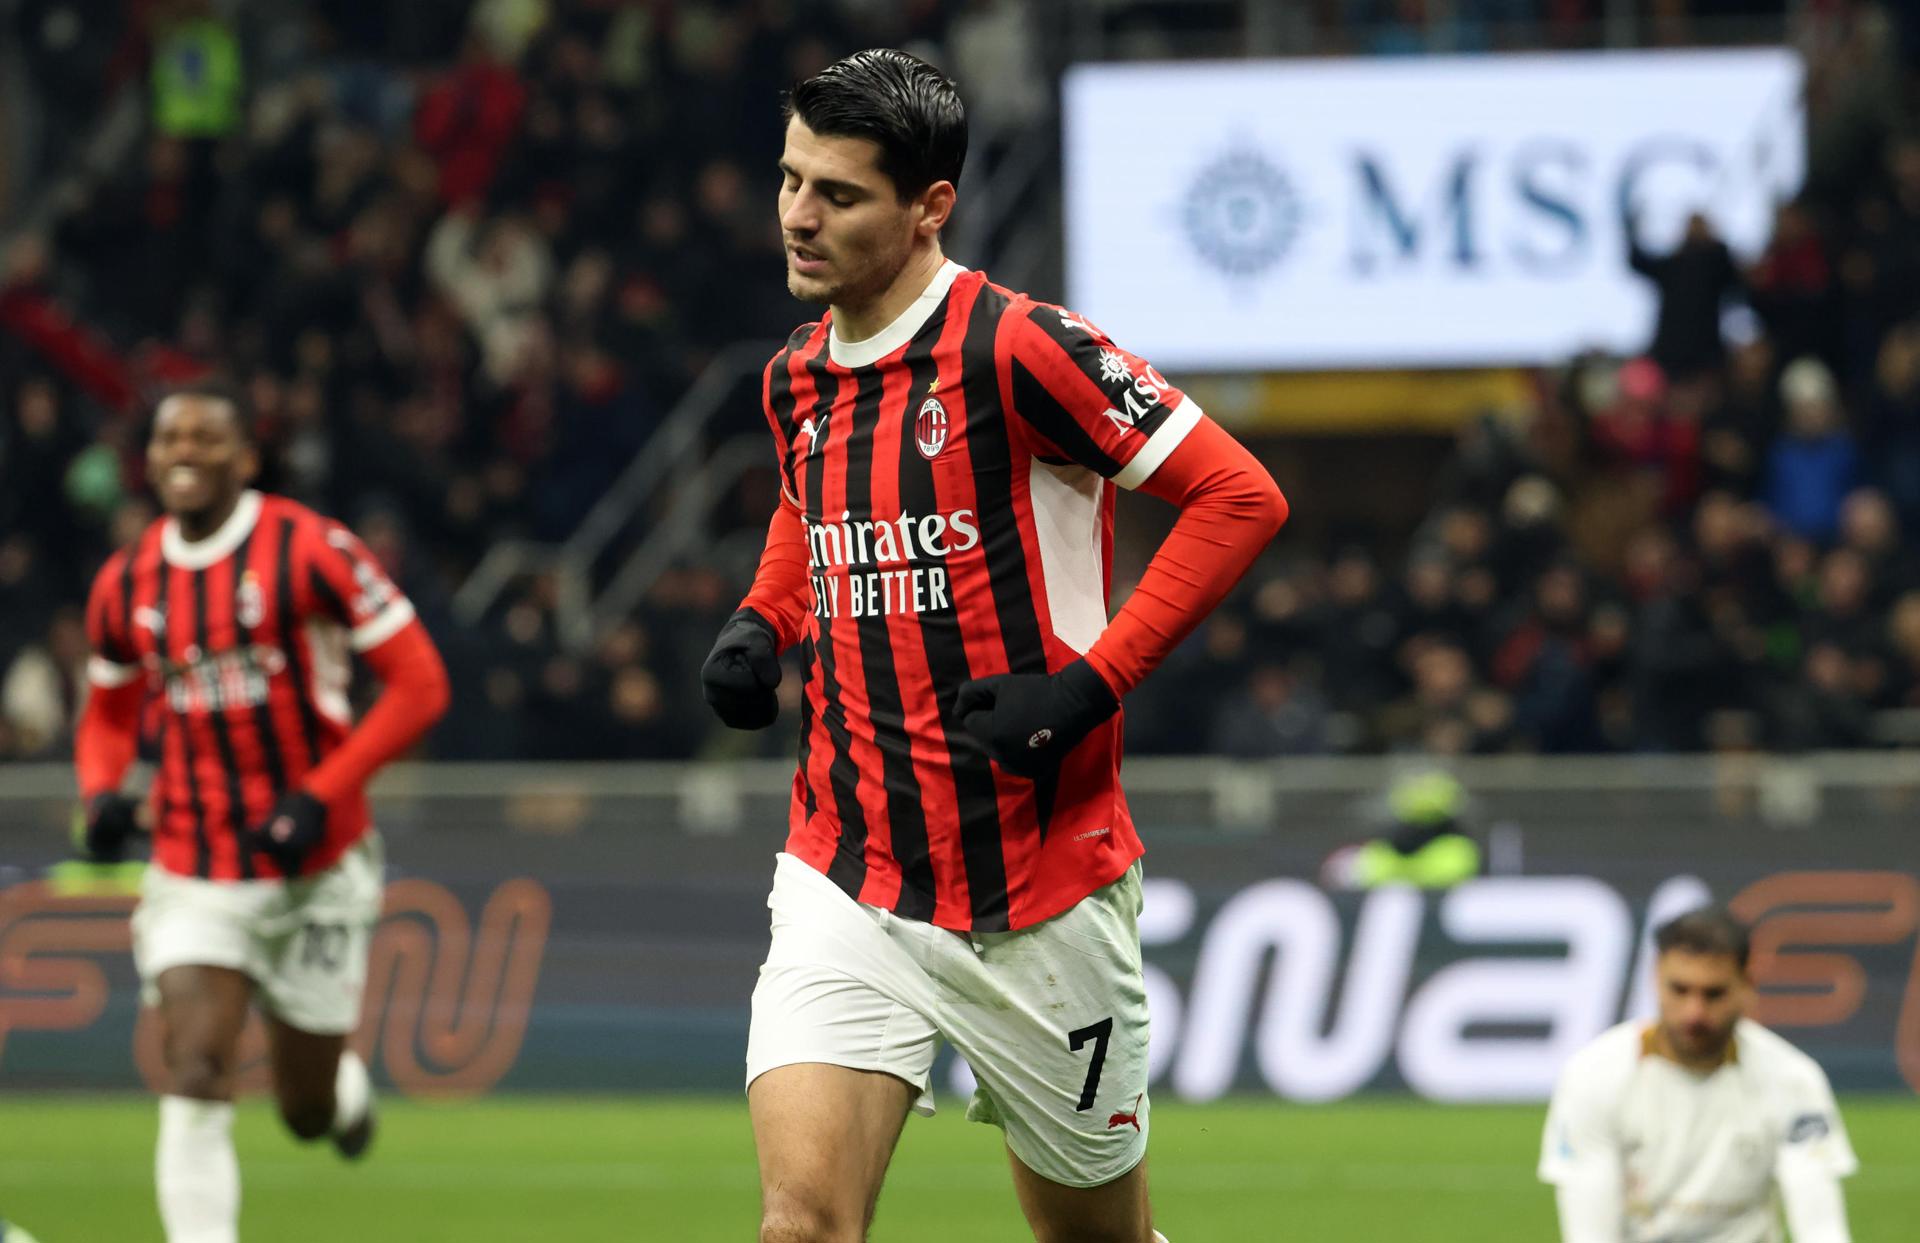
(303,943)
(1052,1019)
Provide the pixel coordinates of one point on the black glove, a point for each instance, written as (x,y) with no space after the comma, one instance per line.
(1029,721)
(110,823)
(741,672)
(297,825)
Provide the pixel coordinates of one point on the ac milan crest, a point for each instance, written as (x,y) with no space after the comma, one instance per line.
(930,428)
(250,606)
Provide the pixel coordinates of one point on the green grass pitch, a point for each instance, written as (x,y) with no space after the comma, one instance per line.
(511,1169)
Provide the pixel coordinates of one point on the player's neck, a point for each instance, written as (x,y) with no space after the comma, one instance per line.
(1658,1043)
(197,527)
(856,323)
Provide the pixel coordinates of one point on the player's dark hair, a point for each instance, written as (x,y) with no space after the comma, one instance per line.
(212,388)
(1709,930)
(912,110)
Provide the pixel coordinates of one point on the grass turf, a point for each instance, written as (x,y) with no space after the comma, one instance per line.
(78,1170)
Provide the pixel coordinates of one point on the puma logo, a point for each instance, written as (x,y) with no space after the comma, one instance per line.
(811,430)
(1128,1119)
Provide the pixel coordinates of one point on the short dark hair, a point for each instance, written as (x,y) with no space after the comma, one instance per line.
(1708,930)
(908,107)
(211,388)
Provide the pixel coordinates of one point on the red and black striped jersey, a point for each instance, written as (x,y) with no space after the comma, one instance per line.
(244,638)
(955,475)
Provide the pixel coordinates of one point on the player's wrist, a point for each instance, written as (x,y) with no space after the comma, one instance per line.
(748,615)
(108,821)
(1089,689)
(740,675)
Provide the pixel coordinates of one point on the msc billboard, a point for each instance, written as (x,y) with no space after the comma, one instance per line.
(1432,212)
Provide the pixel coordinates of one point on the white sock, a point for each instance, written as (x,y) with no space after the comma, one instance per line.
(352,1091)
(196,1172)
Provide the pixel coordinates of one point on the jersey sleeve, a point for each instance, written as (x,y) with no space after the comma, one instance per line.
(113,661)
(1580,1144)
(1091,402)
(776,393)
(350,587)
(1813,1138)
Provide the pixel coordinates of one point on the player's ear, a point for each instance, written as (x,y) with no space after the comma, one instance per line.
(936,206)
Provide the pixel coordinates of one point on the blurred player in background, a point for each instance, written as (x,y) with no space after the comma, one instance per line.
(1427,842)
(237,612)
(1686,1127)
(960,863)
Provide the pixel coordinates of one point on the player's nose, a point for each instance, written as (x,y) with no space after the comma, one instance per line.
(799,218)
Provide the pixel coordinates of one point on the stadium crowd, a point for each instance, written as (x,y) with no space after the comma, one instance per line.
(463,256)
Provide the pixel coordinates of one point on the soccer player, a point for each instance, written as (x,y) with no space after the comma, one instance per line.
(1685,1128)
(236,612)
(960,861)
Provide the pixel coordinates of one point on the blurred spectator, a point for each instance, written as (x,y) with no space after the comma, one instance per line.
(1903,643)
(68,48)
(1740,424)
(1428,605)
(1792,287)
(1869,527)
(1892,426)
(1694,283)
(1652,442)
(1814,464)
(1820,710)
(995,58)
(497,273)
(1530,535)
(1680,669)
(1176,715)
(1545,662)
(1842,614)
(1449,712)
(1274,715)
(1355,633)
(467,120)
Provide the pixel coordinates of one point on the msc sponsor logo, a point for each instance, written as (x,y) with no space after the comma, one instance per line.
(1540,207)
(1242,214)
(1142,394)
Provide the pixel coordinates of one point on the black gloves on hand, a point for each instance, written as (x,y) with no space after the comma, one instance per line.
(741,672)
(111,822)
(297,825)
(1029,721)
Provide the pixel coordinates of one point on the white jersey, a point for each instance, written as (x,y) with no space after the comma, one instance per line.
(1696,1154)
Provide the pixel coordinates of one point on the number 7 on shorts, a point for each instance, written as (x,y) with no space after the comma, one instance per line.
(1099,1033)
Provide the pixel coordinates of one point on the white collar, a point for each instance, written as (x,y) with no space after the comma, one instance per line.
(199,554)
(900,331)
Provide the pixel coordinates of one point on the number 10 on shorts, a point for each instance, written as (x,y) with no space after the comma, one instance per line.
(324,946)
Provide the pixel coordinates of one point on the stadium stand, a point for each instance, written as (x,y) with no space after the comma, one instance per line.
(461,256)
